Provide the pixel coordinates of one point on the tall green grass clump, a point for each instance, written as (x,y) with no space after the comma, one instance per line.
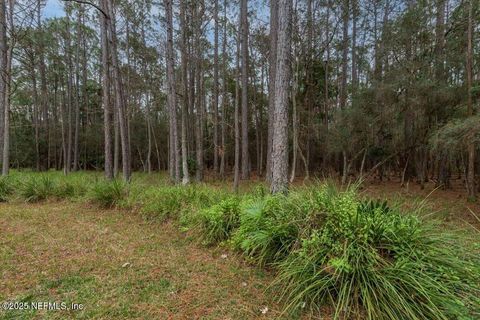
(267,228)
(272,225)
(370,261)
(37,187)
(219,220)
(184,202)
(6,188)
(107,194)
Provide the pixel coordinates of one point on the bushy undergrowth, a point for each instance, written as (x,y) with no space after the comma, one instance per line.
(219,220)
(37,188)
(364,258)
(182,202)
(329,247)
(107,194)
(6,188)
(372,262)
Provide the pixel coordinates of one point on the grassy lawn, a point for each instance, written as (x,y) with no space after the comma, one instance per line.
(120,267)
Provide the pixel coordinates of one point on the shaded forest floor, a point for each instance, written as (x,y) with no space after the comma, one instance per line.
(120,267)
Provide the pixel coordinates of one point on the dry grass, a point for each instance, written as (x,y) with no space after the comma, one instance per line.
(119,267)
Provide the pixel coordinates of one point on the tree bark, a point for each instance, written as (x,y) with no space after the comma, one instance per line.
(183,26)
(271,83)
(469,67)
(4,76)
(107,109)
(224,91)
(244,63)
(174,161)
(282,88)
(215,89)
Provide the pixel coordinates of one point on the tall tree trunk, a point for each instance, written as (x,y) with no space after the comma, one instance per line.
(43,80)
(244,53)
(68,48)
(282,88)
(107,109)
(343,87)
(4,76)
(271,83)
(469,67)
(215,89)
(183,26)
(236,119)
(355,10)
(174,161)
(119,100)
(224,91)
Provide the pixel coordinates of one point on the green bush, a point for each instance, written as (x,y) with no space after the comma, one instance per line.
(219,220)
(107,194)
(268,228)
(178,201)
(6,188)
(372,262)
(38,188)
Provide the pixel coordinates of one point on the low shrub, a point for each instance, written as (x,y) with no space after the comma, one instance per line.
(37,188)
(372,262)
(268,228)
(178,201)
(219,220)
(6,188)
(107,194)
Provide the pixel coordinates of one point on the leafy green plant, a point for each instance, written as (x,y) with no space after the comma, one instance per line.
(268,228)
(38,188)
(6,188)
(107,194)
(372,262)
(219,220)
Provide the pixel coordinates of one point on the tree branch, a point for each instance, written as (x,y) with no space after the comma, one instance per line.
(90,4)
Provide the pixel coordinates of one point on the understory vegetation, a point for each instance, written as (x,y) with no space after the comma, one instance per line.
(329,247)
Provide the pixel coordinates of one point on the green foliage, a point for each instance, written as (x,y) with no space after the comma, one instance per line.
(6,188)
(219,220)
(38,188)
(176,201)
(368,259)
(107,194)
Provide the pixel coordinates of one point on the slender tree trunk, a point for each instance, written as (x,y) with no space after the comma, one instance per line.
(224,91)
(469,67)
(236,119)
(215,89)
(174,161)
(4,76)
(354,47)
(76,149)
(68,48)
(107,110)
(271,83)
(183,26)
(43,80)
(244,63)
(282,88)
(119,100)
(343,87)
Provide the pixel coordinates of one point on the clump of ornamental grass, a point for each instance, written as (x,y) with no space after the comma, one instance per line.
(6,188)
(218,221)
(178,201)
(271,225)
(370,261)
(72,186)
(37,188)
(108,194)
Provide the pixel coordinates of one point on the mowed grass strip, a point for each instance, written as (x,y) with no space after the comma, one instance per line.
(120,267)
